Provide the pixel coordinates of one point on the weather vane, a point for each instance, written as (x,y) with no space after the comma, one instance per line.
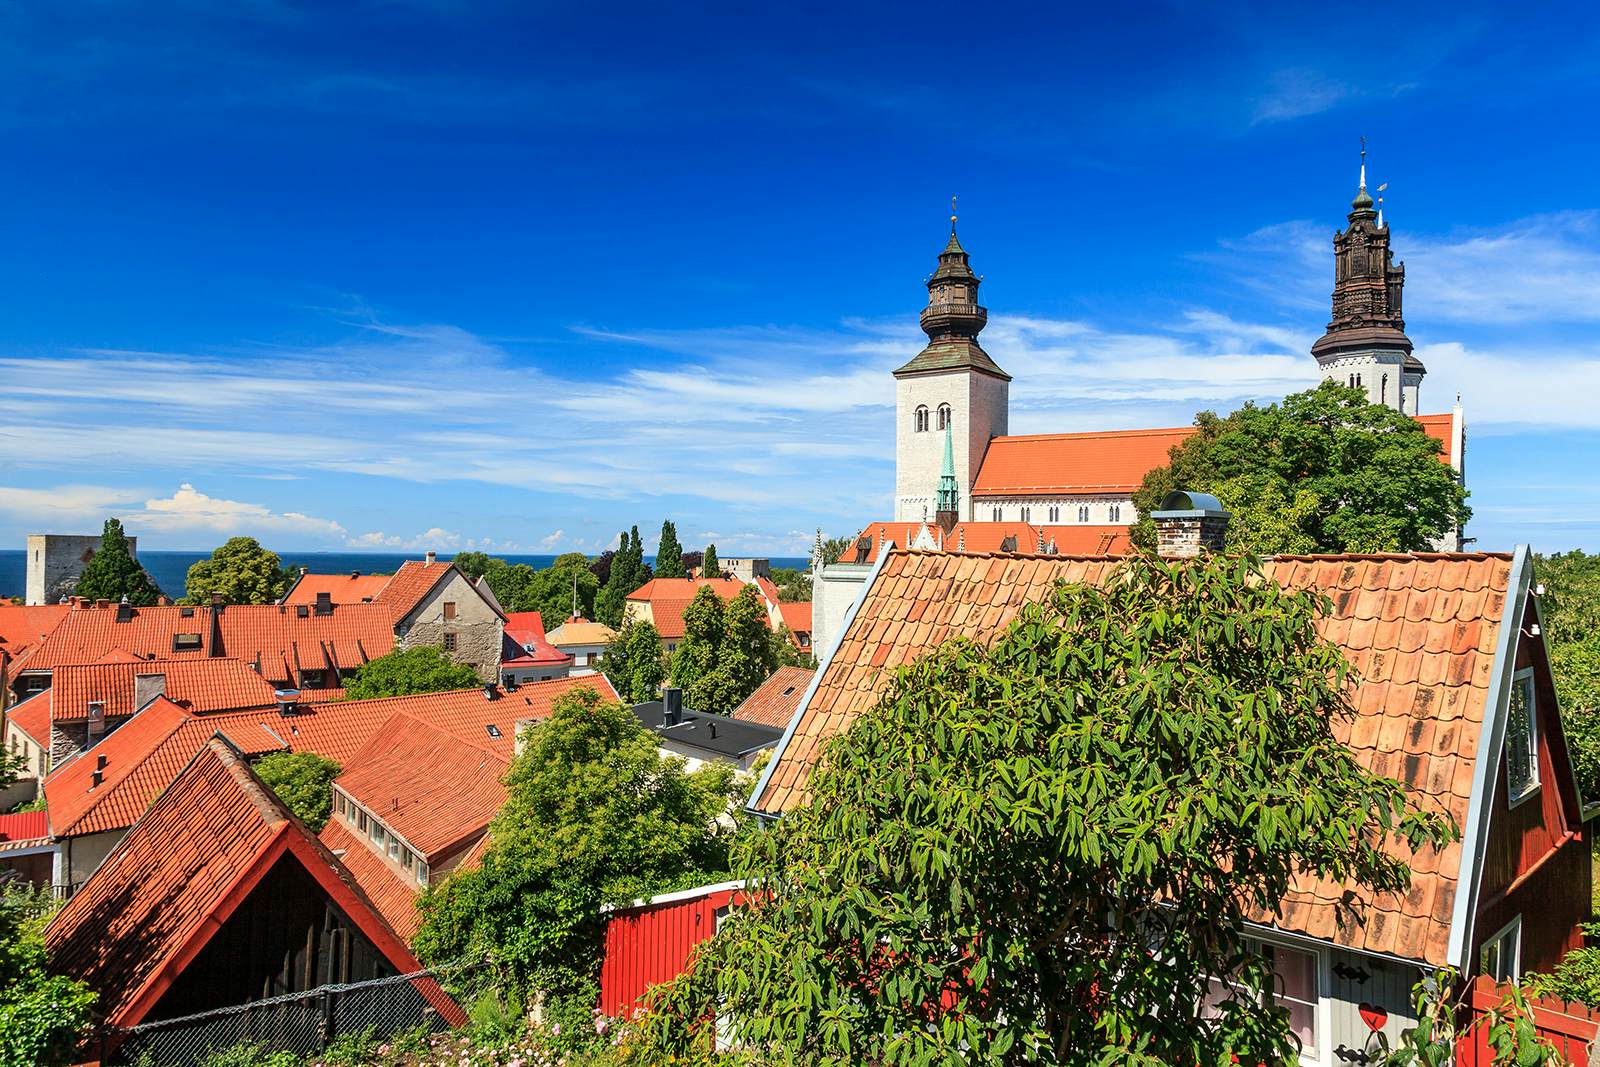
(952,216)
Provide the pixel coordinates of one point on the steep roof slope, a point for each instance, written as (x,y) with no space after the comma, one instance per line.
(777,699)
(179,874)
(1423,631)
(201,684)
(352,588)
(23,627)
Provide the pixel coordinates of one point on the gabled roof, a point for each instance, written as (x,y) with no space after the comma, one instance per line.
(138,764)
(23,627)
(775,700)
(434,788)
(32,717)
(197,684)
(178,876)
(577,632)
(668,597)
(1423,632)
(526,644)
(411,585)
(351,588)
(1073,540)
(271,635)
(393,896)
(796,615)
(23,827)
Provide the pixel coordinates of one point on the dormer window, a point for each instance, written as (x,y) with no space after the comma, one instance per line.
(920,420)
(185,642)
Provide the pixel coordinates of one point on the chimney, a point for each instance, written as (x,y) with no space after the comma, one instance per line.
(100,762)
(163,601)
(671,705)
(96,778)
(324,603)
(97,720)
(354,575)
(146,687)
(1189,525)
(216,599)
(490,692)
(288,701)
(124,611)
(102,603)
(431,557)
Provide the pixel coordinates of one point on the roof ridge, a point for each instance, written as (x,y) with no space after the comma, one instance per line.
(1086,434)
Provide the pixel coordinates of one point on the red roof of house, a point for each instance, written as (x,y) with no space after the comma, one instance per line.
(138,764)
(178,876)
(273,635)
(668,597)
(393,896)
(24,826)
(352,588)
(796,615)
(1422,632)
(411,583)
(199,684)
(988,537)
(23,627)
(432,787)
(775,700)
(32,717)
(526,643)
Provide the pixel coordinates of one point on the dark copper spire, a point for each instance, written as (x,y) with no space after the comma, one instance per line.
(1367,284)
(953,318)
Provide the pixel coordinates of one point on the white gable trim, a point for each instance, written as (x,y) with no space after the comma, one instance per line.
(1485,780)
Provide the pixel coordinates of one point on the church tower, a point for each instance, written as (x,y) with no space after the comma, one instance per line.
(1366,344)
(952,391)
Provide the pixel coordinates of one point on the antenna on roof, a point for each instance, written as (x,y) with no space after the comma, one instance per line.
(574,594)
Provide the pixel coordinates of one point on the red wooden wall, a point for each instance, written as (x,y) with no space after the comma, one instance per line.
(1567,1026)
(650,943)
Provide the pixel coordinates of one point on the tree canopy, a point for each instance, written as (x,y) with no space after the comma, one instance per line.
(710,567)
(594,814)
(423,669)
(1324,471)
(304,782)
(474,564)
(42,1017)
(834,548)
(628,572)
(241,571)
(669,554)
(1569,612)
(694,663)
(726,652)
(113,573)
(549,591)
(991,852)
(634,662)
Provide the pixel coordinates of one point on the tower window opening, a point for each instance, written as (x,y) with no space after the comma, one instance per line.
(944,416)
(921,420)
(1027,514)
(1383,390)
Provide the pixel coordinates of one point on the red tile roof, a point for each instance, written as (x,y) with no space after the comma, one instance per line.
(435,789)
(275,636)
(352,588)
(393,896)
(526,643)
(1421,631)
(139,762)
(988,537)
(178,876)
(23,826)
(668,597)
(775,700)
(411,583)
(32,717)
(23,627)
(1108,461)
(198,684)
(796,615)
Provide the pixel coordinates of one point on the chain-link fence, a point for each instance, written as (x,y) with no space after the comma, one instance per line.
(303,1023)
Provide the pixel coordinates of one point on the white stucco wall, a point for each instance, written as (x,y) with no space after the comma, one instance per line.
(833,589)
(978,411)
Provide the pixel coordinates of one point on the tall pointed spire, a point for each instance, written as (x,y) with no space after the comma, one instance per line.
(1362,204)
(947,507)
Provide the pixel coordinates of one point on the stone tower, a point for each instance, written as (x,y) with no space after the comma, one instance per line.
(1366,343)
(951,389)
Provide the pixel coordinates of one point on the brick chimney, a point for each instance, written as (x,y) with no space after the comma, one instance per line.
(431,556)
(1189,524)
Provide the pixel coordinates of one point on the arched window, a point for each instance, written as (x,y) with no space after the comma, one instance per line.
(944,415)
(1383,390)
(1083,512)
(997,513)
(1116,512)
(921,421)
(1027,514)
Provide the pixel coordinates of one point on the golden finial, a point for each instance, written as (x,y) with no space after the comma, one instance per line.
(952,216)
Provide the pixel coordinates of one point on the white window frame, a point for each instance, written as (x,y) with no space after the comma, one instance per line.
(1510,933)
(1322,1054)
(1523,681)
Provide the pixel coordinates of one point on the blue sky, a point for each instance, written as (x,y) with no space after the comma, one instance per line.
(513,276)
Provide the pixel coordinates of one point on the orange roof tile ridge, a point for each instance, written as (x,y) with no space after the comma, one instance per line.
(1082,435)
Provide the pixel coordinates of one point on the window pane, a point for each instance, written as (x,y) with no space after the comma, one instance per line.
(1521,752)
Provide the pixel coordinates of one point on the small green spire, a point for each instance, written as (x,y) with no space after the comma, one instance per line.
(948,498)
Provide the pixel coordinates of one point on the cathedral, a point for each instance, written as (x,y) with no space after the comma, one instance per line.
(962,482)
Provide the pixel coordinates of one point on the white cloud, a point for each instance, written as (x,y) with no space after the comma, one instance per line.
(552,540)
(1300,91)
(188,509)
(1541,269)
(64,505)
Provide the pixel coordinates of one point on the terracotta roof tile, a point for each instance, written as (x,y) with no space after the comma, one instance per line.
(32,717)
(208,840)
(775,701)
(352,588)
(1074,463)
(393,896)
(411,583)
(1419,710)
(23,627)
(199,684)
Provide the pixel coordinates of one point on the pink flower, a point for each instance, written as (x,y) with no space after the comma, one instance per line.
(555,1029)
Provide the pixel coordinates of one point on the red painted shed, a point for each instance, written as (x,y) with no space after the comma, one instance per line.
(649,941)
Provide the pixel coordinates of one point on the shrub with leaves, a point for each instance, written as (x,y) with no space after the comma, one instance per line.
(991,852)
(424,669)
(304,782)
(43,1017)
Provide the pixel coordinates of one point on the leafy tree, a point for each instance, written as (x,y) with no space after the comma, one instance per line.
(240,570)
(710,567)
(113,573)
(1569,612)
(1323,471)
(550,591)
(694,664)
(475,564)
(834,548)
(669,554)
(628,572)
(634,663)
(304,782)
(747,656)
(794,586)
(992,851)
(423,669)
(42,1017)
(509,582)
(593,815)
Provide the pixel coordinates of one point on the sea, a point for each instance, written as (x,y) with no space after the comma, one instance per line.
(170,569)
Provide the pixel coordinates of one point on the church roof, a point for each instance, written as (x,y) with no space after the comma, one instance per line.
(952,353)
(1113,461)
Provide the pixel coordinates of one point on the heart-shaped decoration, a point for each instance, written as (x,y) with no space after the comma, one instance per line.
(1373,1016)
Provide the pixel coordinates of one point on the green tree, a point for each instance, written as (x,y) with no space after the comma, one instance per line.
(746,656)
(475,564)
(834,548)
(669,554)
(1015,824)
(1569,613)
(710,567)
(113,573)
(693,666)
(240,570)
(634,662)
(424,669)
(1323,471)
(627,574)
(43,1018)
(550,591)
(794,587)
(304,782)
(593,815)
(509,582)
